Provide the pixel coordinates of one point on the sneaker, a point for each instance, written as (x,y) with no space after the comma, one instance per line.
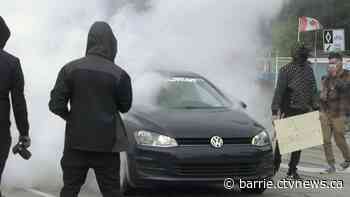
(296,176)
(331,169)
(345,165)
(293,176)
(288,178)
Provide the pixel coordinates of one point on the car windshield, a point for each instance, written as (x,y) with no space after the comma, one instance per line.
(190,93)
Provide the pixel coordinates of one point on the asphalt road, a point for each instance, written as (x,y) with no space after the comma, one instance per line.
(213,192)
(312,163)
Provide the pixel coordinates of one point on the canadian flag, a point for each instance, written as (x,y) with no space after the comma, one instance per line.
(308,24)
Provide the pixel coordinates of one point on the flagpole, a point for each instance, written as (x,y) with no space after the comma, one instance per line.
(276,68)
(298,29)
(315,43)
(315,48)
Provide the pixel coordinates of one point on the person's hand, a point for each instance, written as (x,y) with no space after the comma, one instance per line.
(25,141)
(274,118)
(339,84)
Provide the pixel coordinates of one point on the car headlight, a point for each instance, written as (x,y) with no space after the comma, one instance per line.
(148,138)
(262,139)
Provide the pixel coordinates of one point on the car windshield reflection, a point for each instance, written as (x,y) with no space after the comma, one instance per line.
(190,93)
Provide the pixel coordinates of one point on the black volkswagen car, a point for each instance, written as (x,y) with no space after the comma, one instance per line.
(190,133)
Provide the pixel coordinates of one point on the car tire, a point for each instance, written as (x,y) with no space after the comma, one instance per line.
(126,189)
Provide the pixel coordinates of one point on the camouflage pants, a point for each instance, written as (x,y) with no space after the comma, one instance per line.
(334,127)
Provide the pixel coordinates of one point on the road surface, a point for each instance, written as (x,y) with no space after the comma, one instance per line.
(310,167)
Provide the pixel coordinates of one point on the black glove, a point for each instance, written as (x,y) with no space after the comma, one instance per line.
(21,147)
(316,108)
(25,141)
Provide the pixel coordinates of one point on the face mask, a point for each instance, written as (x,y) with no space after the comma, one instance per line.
(332,69)
(332,65)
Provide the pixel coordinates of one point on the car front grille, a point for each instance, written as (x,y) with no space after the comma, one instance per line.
(150,167)
(205,141)
(217,169)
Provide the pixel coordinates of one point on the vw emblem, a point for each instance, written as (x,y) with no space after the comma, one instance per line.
(216,141)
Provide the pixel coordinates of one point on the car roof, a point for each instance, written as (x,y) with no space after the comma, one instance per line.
(178,73)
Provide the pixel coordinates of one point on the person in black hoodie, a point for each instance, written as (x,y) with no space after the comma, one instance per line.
(97,90)
(11,81)
(295,94)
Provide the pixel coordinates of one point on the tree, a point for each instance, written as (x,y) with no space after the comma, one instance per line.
(331,14)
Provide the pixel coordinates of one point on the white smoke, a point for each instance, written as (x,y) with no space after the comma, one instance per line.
(218,39)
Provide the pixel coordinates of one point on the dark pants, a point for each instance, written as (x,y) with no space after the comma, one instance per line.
(5,144)
(295,156)
(293,162)
(75,165)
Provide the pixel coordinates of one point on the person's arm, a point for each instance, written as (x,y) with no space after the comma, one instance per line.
(315,96)
(19,104)
(342,85)
(124,93)
(323,94)
(60,96)
(279,92)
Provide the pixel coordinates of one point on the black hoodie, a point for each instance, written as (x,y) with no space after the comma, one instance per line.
(97,90)
(4,33)
(11,81)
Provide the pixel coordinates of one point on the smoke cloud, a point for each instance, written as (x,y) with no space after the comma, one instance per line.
(218,39)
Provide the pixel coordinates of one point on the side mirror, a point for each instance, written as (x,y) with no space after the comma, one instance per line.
(243,105)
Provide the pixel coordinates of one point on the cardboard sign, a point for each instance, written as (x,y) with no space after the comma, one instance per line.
(299,132)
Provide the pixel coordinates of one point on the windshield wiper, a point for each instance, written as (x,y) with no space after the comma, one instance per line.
(193,107)
(201,107)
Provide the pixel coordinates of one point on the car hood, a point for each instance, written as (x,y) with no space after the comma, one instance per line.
(197,123)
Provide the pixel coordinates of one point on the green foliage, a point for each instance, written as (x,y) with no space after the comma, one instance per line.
(284,35)
(330,13)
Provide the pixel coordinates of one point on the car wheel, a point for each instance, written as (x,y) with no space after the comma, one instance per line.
(126,189)
(125,186)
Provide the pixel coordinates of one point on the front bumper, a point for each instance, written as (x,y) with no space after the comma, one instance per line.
(197,164)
